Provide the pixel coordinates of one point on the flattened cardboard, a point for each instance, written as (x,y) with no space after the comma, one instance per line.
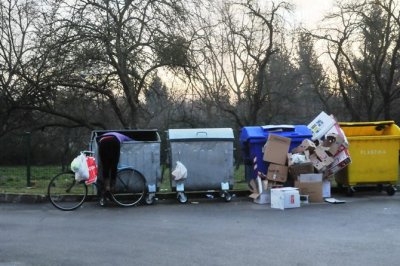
(260,191)
(277,173)
(264,197)
(326,188)
(276,149)
(341,160)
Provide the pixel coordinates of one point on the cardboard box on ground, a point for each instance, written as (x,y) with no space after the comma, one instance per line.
(285,198)
(318,158)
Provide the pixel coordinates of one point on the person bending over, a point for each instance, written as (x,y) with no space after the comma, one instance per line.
(109,145)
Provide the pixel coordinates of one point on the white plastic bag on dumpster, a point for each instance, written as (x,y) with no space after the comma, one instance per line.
(80,168)
(180,171)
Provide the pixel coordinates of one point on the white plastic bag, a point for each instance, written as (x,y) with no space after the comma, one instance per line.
(180,171)
(80,168)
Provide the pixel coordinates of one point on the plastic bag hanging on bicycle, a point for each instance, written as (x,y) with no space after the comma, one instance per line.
(92,167)
(85,168)
(80,168)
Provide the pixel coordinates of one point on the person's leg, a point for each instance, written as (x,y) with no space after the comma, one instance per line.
(114,159)
(106,146)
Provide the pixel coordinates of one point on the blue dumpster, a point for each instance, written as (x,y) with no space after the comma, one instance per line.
(253,138)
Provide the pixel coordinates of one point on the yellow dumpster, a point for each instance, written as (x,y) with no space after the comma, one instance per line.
(374,150)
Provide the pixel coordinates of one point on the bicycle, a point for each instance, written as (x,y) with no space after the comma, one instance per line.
(67,194)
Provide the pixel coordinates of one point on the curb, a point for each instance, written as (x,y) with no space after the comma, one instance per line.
(21,198)
(29,198)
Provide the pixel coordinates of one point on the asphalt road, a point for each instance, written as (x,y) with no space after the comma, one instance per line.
(363,231)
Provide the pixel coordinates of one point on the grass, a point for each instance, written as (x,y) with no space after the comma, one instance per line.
(13,179)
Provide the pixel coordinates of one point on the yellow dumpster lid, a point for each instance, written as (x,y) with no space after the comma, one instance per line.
(378,128)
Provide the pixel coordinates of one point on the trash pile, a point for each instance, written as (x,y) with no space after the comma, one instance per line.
(305,173)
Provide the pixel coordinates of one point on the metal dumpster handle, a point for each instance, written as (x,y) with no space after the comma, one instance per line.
(278,128)
(201,133)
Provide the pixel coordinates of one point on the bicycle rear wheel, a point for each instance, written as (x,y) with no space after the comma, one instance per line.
(130,188)
(65,193)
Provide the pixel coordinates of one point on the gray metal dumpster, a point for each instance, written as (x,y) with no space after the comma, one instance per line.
(143,154)
(207,154)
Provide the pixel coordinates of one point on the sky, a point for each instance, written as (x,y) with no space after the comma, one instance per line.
(309,12)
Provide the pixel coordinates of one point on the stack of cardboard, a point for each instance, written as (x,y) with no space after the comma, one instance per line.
(312,163)
(275,155)
(309,166)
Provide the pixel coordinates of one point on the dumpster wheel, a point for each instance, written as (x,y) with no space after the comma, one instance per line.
(227,196)
(150,198)
(391,190)
(182,198)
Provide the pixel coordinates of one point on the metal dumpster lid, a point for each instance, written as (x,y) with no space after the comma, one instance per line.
(201,133)
(137,134)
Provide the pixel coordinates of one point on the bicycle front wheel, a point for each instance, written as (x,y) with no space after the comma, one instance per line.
(130,188)
(65,193)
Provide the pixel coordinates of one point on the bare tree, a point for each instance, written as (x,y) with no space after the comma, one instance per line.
(315,81)
(235,46)
(363,45)
(16,20)
(117,46)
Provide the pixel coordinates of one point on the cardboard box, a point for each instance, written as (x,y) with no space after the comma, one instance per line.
(298,169)
(333,143)
(276,149)
(314,190)
(284,198)
(338,131)
(321,125)
(277,173)
(318,165)
(323,156)
(306,145)
(341,160)
(310,178)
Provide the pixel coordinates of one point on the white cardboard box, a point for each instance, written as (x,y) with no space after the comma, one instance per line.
(285,198)
(321,125)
